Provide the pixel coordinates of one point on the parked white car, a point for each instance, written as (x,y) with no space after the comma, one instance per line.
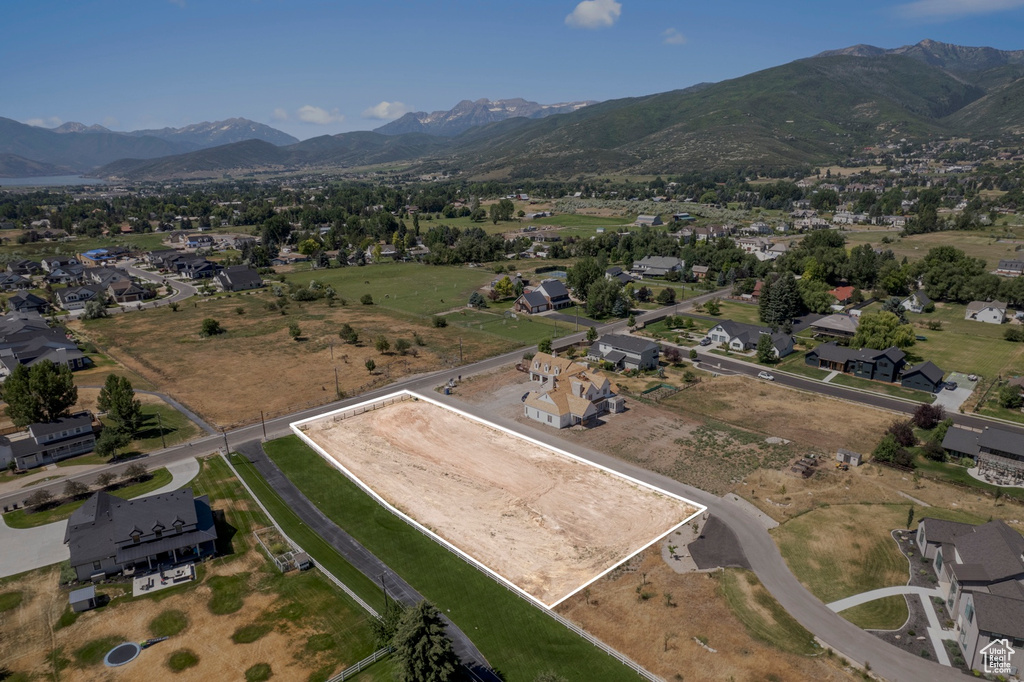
(766,376)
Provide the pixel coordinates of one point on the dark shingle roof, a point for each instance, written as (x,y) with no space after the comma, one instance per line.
(940,531)
(999,615)
(929,370)
(553,289)
(629,344)
(63,424)
(835,353)
(1004,441)
(991,553)
(961,440)
(534,299)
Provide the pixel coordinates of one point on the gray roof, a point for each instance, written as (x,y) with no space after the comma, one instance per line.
(553,289)
(999,615)
(83,594)
(629,344)
(97,527)
(1011,264)
(839,323)
(1004,441)
(977,306)
(833,352)
(961,440)
(928,369)
(922,297)
(659,262)
(534,299)
(941,532)
(239,276)
(63,424)
(992,553)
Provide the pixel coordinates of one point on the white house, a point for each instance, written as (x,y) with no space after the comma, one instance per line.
(576,398)
(992,312)
(743,337)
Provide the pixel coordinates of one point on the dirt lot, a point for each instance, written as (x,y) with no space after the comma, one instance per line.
(545,522)
(667,639)
(256,365)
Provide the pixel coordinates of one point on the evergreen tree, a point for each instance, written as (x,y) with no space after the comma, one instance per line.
(117,399)
(423,652)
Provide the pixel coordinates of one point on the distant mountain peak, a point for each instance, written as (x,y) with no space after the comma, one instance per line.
(470,114)
(75,127)
(954,58)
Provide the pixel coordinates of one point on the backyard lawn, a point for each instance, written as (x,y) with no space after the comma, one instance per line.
(965,345)
(522,643)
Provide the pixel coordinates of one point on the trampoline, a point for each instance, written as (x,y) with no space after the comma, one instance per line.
(121,654)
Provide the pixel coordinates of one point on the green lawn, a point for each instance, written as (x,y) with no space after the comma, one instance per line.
(967,346)
(747,313)
(795,364)
(23,519)
(310,542)
(525,329)
(880,614)
(949,471)
(406,287)
(894,390)
(522,642)
(177,428)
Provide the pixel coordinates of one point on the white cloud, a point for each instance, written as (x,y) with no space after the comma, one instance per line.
(594,14)
(279,115)
(48,122)
(387,111)
(670,36)
(110,122)
(319,115)
(946,9)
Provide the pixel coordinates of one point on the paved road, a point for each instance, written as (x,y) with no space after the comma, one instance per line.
(761,552)
(357,555)
(182,290)
(764,559)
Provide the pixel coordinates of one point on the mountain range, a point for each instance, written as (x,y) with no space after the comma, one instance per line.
(811,111)
(467,114)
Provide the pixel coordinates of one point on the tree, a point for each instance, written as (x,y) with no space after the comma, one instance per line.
(903,431)
(117,399)
(348,334)
(631,321)
(712,307)
(591,334)
(39,498)
(73,489)
(583,274)
(505,288)
(210,327)
(402,346)
(1011,397)
(604,298)
(544,346)
(476,300)
(105,479)
(294,330)
(894,305)
(765,349)
(382,344)
(780,302)
(910,516)
(439,321)
(888,450)
(95,309)
(135,472)
(366,299)
(667,296)
(882,330)
(370,365)
(40,394)
(928,416)
(423,652)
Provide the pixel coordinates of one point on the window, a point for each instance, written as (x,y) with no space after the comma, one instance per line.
(136,536)
(96,565)
(159,533)
(178,526)
(969,611)
(549,419)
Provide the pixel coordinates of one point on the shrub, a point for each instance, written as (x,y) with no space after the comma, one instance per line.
(182,659)
(928,416)
(210,327)
(1011,397)
(247,634)
(439,321)
(168,623)
(366,299)
(134,472)
(39,498)
(260,672)
(402,346)
(382,344)
(73,489)
(1014,333)
(934,451)
(903,431)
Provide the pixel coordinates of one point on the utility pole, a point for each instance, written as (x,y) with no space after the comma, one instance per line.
(163,441)
(264,425)
(385,592)
(460,350)
(337,387)
(227,450)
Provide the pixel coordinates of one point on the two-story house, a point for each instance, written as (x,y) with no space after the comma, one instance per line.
(108,535)
(48,443)
(993,312)
(75,298)
(867,363)
(656,266)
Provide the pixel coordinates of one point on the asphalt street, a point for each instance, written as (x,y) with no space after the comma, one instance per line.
(758,547)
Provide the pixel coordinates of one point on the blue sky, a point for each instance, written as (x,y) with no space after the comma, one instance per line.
(313,67)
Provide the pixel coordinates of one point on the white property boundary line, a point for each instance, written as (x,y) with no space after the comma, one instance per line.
(402,395)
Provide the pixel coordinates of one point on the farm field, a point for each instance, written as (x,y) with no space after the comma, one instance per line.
(730,611)
(975,244)
(543,521)
(240,612)
(523,643)
(256,365)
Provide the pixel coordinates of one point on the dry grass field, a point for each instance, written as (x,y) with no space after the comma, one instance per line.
(256,365)
(730,612)
(544,521)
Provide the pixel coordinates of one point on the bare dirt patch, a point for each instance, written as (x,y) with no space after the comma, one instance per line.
(542,520)
(665,639)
